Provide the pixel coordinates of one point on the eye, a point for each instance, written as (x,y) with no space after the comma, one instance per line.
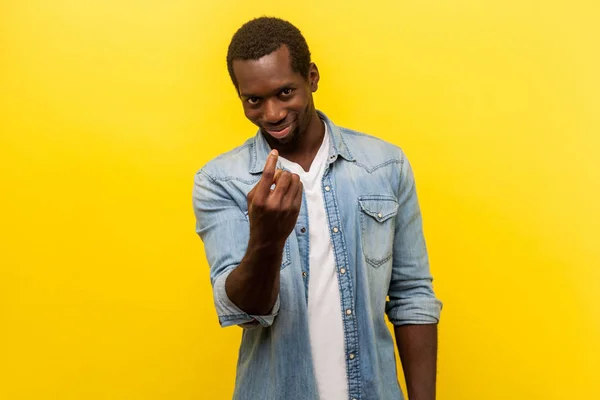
(287,92)
(253,100)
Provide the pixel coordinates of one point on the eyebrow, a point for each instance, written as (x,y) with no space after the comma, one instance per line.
(279,89)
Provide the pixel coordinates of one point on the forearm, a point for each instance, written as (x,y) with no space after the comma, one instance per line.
(417,346)
(254,285)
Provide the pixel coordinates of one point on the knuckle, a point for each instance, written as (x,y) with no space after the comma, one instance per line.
(258,204)
(270,208)
(285,175)
(268,175)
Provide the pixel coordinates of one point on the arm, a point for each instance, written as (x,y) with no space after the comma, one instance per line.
(254,285)
(413,308)
(417,346)
(244,258)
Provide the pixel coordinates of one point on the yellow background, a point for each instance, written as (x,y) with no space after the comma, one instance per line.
(109,107)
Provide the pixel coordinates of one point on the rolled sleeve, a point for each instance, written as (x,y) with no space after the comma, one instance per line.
(415,311)
(411,296)
(229,314)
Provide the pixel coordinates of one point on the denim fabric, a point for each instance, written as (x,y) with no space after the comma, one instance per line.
(381,260)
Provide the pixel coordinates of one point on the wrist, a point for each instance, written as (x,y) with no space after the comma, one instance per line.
(265,247)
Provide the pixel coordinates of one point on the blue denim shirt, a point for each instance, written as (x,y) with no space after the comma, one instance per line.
(380,254)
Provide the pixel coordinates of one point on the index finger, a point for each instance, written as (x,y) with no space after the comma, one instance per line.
(269,172)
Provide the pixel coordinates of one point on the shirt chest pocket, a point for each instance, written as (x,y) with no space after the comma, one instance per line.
(377,227)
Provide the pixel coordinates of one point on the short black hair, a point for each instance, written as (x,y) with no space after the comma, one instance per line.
(262,36)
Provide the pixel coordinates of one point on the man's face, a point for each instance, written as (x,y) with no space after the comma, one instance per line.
(275,98)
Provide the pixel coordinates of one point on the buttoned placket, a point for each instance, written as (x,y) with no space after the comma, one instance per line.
(345,281)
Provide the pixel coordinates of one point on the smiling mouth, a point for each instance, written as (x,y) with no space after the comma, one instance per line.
(279,133)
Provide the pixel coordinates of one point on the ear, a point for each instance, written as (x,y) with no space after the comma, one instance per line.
(313,77)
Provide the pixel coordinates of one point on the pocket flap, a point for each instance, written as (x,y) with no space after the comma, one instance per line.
(381,209)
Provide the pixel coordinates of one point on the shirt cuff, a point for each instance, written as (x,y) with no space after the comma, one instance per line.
(414,311)
(230,314)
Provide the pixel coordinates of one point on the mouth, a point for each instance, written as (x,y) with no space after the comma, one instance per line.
(280,132)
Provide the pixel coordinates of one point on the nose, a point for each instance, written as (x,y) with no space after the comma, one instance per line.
(273,113)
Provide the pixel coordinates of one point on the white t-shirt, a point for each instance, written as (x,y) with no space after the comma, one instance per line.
(324,307)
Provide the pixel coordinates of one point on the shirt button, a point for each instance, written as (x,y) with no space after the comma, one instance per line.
(348,312)
(304,274)
(351,356)
(335,230)
(343,271)
(379,215)
(327,188)
(303,230)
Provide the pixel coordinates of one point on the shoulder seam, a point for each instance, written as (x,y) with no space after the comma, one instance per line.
(203,172)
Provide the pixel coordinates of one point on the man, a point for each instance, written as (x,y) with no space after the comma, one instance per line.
(308,228)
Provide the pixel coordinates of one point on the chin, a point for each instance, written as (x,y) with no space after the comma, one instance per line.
(291,138)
